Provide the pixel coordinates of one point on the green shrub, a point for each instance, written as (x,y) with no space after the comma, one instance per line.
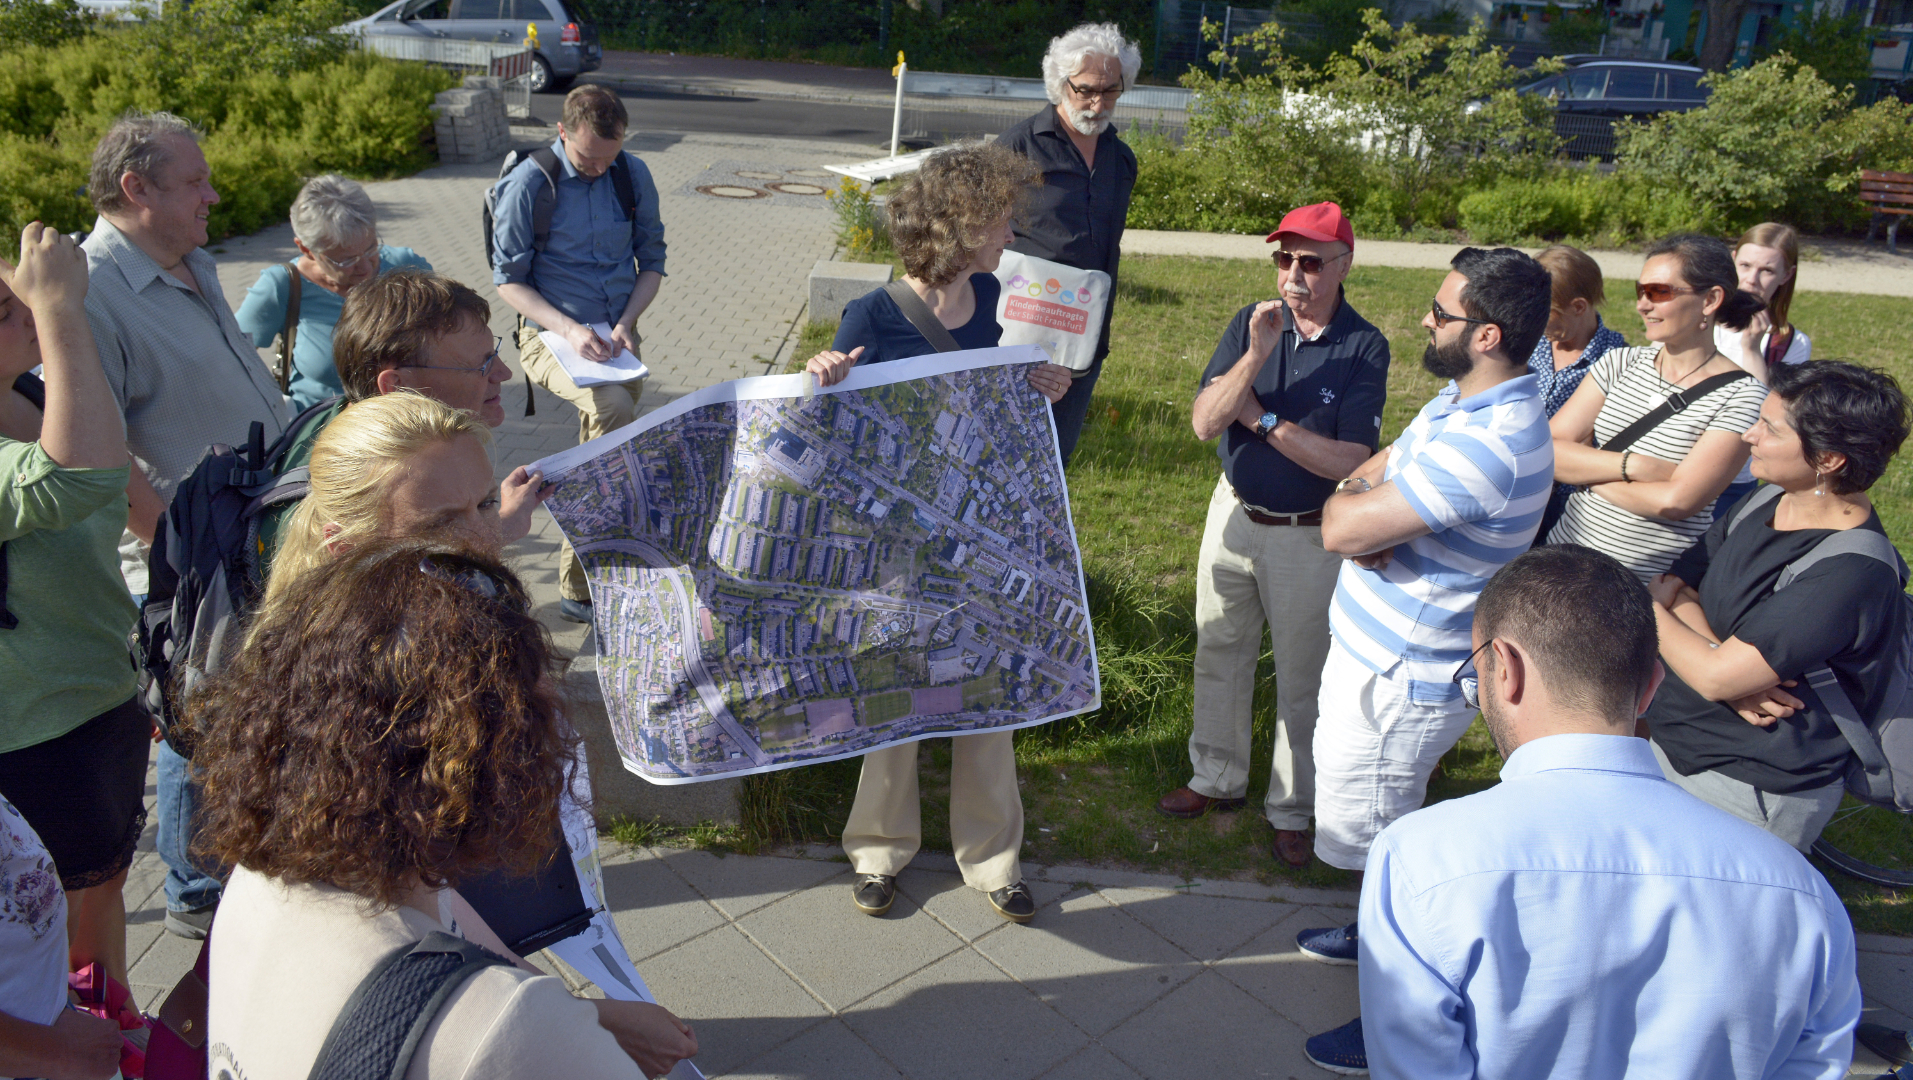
(42,22)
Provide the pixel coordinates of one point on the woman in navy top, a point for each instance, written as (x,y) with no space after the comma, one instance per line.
(950,224)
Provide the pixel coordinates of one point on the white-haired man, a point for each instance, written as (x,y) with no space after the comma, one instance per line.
(1076,217)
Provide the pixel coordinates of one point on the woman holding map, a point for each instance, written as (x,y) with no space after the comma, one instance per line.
(949,225)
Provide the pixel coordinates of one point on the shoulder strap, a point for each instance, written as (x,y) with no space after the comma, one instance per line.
(377,1032)
(545,199)
(921,316)
(291,332)
(1766,494)
(625,186)
(1847,542)
(1680,400)
(29,386)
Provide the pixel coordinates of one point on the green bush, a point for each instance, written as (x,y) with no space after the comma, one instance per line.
(42,22)
(1578,205)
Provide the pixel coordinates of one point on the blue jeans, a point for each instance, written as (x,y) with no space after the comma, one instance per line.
(188,887)
(1070,412)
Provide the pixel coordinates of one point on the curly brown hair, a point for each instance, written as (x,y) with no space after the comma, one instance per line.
(392,723)
(941,216)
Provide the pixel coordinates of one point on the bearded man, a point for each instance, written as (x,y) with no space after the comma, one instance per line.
(1076,217)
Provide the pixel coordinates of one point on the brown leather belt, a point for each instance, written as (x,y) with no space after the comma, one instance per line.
(1312,517)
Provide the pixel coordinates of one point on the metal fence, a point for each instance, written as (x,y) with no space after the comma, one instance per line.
(509,63)
(939,107)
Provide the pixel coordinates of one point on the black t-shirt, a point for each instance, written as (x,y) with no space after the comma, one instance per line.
(1334,386)
(1843,612)
(875,322)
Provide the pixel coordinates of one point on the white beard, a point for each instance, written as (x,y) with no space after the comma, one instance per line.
(1087,121)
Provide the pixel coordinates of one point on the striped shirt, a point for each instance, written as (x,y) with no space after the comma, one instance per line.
(184,374)
(1634,387)
(1477,471)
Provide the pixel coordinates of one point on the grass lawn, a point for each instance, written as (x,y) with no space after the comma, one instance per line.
(1139,486)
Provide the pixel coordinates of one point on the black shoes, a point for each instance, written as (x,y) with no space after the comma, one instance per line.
(574,610)
(191,925)
(1014,903)
(873,893)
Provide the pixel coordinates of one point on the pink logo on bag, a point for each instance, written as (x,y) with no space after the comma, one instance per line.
(1043,313)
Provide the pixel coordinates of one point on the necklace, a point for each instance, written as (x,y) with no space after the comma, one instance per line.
(1675,383)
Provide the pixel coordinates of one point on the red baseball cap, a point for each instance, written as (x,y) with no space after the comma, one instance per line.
(1323,221)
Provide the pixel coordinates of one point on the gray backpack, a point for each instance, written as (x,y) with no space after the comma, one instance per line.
(1881,770)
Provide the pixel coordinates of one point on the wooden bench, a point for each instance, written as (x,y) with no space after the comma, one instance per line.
(1890,194)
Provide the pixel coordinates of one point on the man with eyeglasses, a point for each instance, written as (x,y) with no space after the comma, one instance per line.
(1585,917)
(1422,526)
(1076,218)
(1293,395)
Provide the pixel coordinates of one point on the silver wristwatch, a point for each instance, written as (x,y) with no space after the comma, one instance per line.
(1349,485)
(1266,423)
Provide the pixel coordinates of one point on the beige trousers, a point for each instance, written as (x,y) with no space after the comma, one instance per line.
(1248,575)
(986,811)
(601,409)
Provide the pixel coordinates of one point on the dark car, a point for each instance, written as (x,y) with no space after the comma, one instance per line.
(1593,93)
(567,45)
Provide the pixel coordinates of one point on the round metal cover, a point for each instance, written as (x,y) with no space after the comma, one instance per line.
(749,174)
(796,189)
(731,191)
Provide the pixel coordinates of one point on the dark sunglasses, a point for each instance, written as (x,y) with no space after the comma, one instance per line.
(1442,318)
(1311,264)
(1468,678)
(1659,292)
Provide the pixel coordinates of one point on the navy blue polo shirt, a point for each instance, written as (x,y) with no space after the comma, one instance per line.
(1334,386)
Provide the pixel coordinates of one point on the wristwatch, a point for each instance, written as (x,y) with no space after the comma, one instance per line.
(1266,423)
(1349,485)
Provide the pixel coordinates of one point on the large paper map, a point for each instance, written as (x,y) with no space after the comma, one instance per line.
(783,577)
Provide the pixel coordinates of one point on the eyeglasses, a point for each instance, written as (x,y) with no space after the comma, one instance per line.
(1468,677)
(1311,264)
(482,369)
(1443,318)
(1658,292)
(1090,92)
(347,264)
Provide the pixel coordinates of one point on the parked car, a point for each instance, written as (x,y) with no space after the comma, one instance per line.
(567,45)
(1595,92)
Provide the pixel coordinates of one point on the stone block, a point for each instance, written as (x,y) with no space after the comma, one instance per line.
(618,792)
(835,284)
(484,82)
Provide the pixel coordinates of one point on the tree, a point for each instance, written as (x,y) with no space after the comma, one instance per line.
(1835,46)
(1723,33)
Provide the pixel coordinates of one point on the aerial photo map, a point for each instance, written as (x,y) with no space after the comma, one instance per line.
(783,577)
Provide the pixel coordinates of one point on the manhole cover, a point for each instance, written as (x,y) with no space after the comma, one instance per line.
(796,189)
(822,173)
(731,191)
(753,175)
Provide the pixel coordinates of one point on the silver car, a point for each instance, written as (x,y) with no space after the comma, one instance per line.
(567,45)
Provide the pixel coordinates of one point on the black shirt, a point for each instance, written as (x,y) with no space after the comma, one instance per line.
(1334,386)
(875,322)
(1843,612)
(1076,218)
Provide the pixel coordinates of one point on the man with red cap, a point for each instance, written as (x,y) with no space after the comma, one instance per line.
(1294,397)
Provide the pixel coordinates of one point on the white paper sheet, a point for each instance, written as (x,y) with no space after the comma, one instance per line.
(623,367)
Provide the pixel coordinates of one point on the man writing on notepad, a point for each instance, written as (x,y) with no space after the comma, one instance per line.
(600,260)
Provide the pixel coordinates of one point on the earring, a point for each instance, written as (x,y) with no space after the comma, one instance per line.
(1819,484)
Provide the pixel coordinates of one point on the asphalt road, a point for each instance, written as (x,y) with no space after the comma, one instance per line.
(655,111)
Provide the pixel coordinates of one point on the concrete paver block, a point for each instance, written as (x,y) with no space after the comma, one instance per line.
(1205,927)
(738,1002)
(1094,1063)
(1317,997)
(1091,962)
(1241,1038)
(965,911)
(829,1050)
(739,885)
(1888,979)
(653,908)
(840,953)
(834,284)
(962,1018)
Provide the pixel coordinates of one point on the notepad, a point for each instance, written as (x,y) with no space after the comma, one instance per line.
(623,367)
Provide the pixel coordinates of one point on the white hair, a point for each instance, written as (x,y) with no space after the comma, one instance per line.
(1067,53)
(332,211)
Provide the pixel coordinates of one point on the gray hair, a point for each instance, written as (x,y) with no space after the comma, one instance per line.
(136,143)
(1067,53)
(331,211)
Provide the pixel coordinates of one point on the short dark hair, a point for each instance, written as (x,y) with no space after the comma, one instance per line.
(388,321)
(1841,408)
(1508,288)
(1584,620)
(598,107)
(1708,263)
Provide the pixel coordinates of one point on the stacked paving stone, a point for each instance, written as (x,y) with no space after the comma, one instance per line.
(471,124)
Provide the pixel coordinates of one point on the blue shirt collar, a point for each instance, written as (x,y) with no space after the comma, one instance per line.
(565,167)
(1585,752)
(1523,386)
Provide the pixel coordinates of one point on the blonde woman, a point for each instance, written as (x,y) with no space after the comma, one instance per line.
(1767,260)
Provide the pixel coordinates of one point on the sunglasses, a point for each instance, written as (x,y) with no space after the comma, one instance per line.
(482,369)
(1443,318)
(1468,678)
(1659,292)
(1311,264)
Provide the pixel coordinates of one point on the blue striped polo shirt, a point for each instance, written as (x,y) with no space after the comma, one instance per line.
(1478,472)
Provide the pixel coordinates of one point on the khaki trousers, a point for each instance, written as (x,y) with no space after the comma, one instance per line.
(1248,575)
(601,409)
(986,811)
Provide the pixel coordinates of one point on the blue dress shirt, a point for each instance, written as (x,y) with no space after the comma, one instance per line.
(1587,918)
(586,269)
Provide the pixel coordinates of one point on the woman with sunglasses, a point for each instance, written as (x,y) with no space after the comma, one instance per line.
(392,729)
(1652,435)
(336,231)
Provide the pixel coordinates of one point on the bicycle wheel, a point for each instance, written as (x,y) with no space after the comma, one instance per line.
(1869,843)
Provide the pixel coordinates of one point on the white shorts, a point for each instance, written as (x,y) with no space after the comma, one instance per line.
(1374,749)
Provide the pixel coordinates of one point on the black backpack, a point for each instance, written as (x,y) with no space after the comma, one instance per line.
(378,1030)
(206,569)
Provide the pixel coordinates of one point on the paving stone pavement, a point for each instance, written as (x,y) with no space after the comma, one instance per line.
(1122,975)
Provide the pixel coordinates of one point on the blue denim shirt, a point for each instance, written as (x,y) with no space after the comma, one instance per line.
(1558,386)
(587,268)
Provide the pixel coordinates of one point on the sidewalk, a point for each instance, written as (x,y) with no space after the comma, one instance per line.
(732,77)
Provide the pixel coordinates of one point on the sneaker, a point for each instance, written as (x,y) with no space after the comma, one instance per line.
(874,893)
(1014,903)
(574,610)
(1340,1051)
(1329,944)
(193,924)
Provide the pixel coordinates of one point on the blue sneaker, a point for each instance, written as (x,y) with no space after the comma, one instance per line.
(1329,944)
(1340,1051)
